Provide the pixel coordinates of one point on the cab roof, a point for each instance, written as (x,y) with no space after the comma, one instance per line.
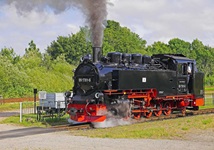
(177,57)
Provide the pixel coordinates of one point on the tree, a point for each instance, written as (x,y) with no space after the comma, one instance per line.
(179,46)
(32,57)
(9,54)
(32,50)
(13,81)
(116,38)
(121,39)
(205,59)
(158,48)
(72,47)
(56,48)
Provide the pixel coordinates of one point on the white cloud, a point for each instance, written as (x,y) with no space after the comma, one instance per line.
(73,28)
(166,19)
(18,30)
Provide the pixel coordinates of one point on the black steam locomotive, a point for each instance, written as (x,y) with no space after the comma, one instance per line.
(132,85)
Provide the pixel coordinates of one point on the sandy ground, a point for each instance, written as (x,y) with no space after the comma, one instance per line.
(21,138)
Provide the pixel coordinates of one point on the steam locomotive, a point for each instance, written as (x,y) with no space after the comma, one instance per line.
(132,85)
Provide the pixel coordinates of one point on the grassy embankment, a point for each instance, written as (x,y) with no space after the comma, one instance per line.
(9,106)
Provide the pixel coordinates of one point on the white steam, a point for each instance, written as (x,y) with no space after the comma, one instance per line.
(94,10)
(122,117)
(112,121)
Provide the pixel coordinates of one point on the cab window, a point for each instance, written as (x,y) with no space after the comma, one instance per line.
(182,69)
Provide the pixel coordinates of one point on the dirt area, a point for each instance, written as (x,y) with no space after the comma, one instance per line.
(21,138)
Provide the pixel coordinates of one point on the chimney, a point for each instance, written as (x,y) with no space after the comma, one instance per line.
(97,53)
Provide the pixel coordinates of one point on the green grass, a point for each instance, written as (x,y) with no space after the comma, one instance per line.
(166,129)
(209,88)
(16,106)
(30,120)
(206,107)
(9,106)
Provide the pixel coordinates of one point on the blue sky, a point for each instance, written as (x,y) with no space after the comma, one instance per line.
(153,20)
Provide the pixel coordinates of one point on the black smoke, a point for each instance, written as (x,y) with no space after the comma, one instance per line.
(95,12)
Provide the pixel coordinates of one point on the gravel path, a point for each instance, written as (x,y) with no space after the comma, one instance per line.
(64,140)
(21,138)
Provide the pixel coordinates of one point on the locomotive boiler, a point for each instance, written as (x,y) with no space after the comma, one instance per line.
(132,85)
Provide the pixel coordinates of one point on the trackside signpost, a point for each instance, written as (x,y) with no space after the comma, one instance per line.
(42,94)
(34,92)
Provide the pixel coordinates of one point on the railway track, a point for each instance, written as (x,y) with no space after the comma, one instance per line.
(202,111)
(178,115)
(86,126)
(73,127)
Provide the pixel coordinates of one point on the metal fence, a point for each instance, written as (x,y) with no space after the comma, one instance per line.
(27,108)
(41,110)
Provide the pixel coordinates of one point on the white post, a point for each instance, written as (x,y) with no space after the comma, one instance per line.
(20,117)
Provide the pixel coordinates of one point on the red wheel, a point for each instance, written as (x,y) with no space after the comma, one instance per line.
(158,112)
(148,114)
(137,116)
(168,109)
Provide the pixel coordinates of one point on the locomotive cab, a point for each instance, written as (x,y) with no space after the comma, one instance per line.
(189,79)
(187,73)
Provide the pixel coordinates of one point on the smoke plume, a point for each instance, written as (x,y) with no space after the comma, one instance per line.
(96,15)
(94,10)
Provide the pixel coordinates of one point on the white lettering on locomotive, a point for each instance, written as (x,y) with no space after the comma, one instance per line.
(84,80)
